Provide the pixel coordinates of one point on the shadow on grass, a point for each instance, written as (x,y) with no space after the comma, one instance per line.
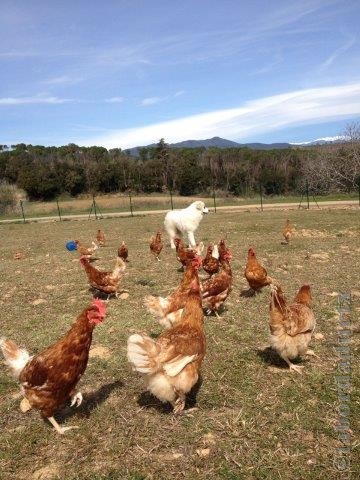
(98,294)
(247,293)
(148,401)
(269,356)
(90,402)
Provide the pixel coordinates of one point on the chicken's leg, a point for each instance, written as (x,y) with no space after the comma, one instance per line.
(179,403)
(58,428)
(296,368)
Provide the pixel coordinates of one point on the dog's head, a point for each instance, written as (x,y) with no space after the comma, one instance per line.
(199,205)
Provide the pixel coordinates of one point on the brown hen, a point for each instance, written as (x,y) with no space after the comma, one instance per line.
(48,379)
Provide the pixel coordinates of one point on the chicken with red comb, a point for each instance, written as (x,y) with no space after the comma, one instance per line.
(48,380)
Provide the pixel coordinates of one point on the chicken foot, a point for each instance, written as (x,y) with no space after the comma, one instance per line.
(179,404)
(58,428)
(296,368)
(76,399)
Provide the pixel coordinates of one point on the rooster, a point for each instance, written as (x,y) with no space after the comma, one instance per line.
(255,274)
(215,290)
(100,238)
(48,379)
(123,252)
(156,245)
(171,363)
(291,326)
(211,263)
(106,282)
(168,310)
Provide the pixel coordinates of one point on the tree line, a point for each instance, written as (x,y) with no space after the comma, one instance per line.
(47,172)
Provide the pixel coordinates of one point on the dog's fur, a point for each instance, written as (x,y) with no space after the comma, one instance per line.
(185,221)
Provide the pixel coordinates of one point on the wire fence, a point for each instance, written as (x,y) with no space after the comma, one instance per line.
(132,204)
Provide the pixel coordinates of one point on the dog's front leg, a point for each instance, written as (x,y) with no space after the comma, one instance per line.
(191,239)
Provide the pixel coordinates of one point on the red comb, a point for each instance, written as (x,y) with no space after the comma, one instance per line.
(100,305)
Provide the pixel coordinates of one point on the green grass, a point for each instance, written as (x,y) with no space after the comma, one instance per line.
(258,420)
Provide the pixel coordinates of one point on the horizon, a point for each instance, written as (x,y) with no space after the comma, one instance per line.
(114,75)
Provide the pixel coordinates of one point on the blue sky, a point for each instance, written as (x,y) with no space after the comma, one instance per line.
(128,72)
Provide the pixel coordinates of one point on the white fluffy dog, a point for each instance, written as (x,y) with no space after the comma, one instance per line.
(186,220)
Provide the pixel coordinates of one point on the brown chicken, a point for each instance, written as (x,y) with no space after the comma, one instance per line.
(171,363)
(255,274)
(215,290)
(85,251)
(291,326)
(48,379)
(156,245)
(222,247)
(106,282)
(123,252)
(211,263)
(168,310)
(100,238)
(183,254)
(288,231)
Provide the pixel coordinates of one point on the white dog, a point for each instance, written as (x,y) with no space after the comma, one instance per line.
(187,220)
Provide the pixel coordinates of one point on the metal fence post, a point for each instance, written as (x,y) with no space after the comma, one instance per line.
(261,198)
(22,211)
(131,207)
(214,197)
(307,195)
(58,207)
(171,199)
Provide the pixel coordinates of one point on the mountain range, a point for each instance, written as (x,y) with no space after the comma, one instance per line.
(223,143)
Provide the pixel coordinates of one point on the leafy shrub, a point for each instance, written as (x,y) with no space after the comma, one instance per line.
(10,196)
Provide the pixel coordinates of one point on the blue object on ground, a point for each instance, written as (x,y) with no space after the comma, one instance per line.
(71,245)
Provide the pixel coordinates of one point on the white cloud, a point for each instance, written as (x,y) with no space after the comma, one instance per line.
(339,51)
(62,80)
(310,106)
(151,101)
(40,99)
(154,100)
(114,100)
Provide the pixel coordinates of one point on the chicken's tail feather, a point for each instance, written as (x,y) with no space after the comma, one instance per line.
(142,352)
(16,358)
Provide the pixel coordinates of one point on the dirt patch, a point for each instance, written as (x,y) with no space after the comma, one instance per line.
(98,351)
(46,473)
(314,233)
(321,256)
(38,301)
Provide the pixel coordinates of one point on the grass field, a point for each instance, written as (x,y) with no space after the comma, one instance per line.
(121,203)
(255,419)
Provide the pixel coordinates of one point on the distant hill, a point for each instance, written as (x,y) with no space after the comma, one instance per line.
(214,142)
